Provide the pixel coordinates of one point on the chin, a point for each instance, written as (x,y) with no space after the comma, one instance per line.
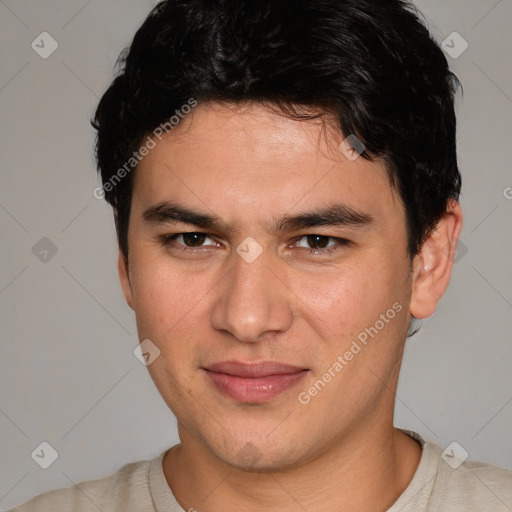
(259,455)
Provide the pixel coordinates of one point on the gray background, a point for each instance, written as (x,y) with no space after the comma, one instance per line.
(68,375)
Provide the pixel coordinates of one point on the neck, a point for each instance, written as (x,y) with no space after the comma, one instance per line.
(366,470)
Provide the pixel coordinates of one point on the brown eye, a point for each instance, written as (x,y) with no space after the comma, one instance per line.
(193,239)
(317,241)
(320,244)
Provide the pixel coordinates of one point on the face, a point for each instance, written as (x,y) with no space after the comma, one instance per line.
(255,243)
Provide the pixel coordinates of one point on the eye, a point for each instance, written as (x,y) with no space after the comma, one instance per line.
(321,243)
(186,241)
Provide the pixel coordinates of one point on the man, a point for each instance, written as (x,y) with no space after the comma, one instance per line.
(284,181)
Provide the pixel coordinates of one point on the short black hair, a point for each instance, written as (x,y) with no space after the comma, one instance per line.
(371,63)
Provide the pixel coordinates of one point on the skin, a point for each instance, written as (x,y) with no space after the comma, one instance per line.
(204,304)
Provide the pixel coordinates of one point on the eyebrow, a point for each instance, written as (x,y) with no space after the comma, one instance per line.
(331,216)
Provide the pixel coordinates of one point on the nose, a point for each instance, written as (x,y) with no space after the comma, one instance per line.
(253,299)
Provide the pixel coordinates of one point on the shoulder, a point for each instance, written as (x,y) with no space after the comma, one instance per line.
(446,482)
(470,486)
(126,489)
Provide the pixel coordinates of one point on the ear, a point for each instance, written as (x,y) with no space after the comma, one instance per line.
(124,277)
(432,266)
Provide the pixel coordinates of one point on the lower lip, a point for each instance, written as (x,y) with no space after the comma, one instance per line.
(255,389)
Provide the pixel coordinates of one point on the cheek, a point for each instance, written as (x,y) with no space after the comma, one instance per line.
(164,298)
(344,300)
(170,312)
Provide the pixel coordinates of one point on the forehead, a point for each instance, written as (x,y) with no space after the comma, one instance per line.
(252,157)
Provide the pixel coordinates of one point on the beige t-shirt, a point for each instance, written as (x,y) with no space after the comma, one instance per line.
(436,487)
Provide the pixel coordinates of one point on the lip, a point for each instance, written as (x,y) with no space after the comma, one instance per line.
(254,382)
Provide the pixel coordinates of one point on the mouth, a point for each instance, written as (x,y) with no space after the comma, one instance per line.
(253,382)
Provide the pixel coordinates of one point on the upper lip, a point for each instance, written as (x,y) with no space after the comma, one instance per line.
(260,369)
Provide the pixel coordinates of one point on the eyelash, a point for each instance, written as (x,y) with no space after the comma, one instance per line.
(170,240)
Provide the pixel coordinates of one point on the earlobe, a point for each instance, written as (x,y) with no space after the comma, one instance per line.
(432,266)
(124,277)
